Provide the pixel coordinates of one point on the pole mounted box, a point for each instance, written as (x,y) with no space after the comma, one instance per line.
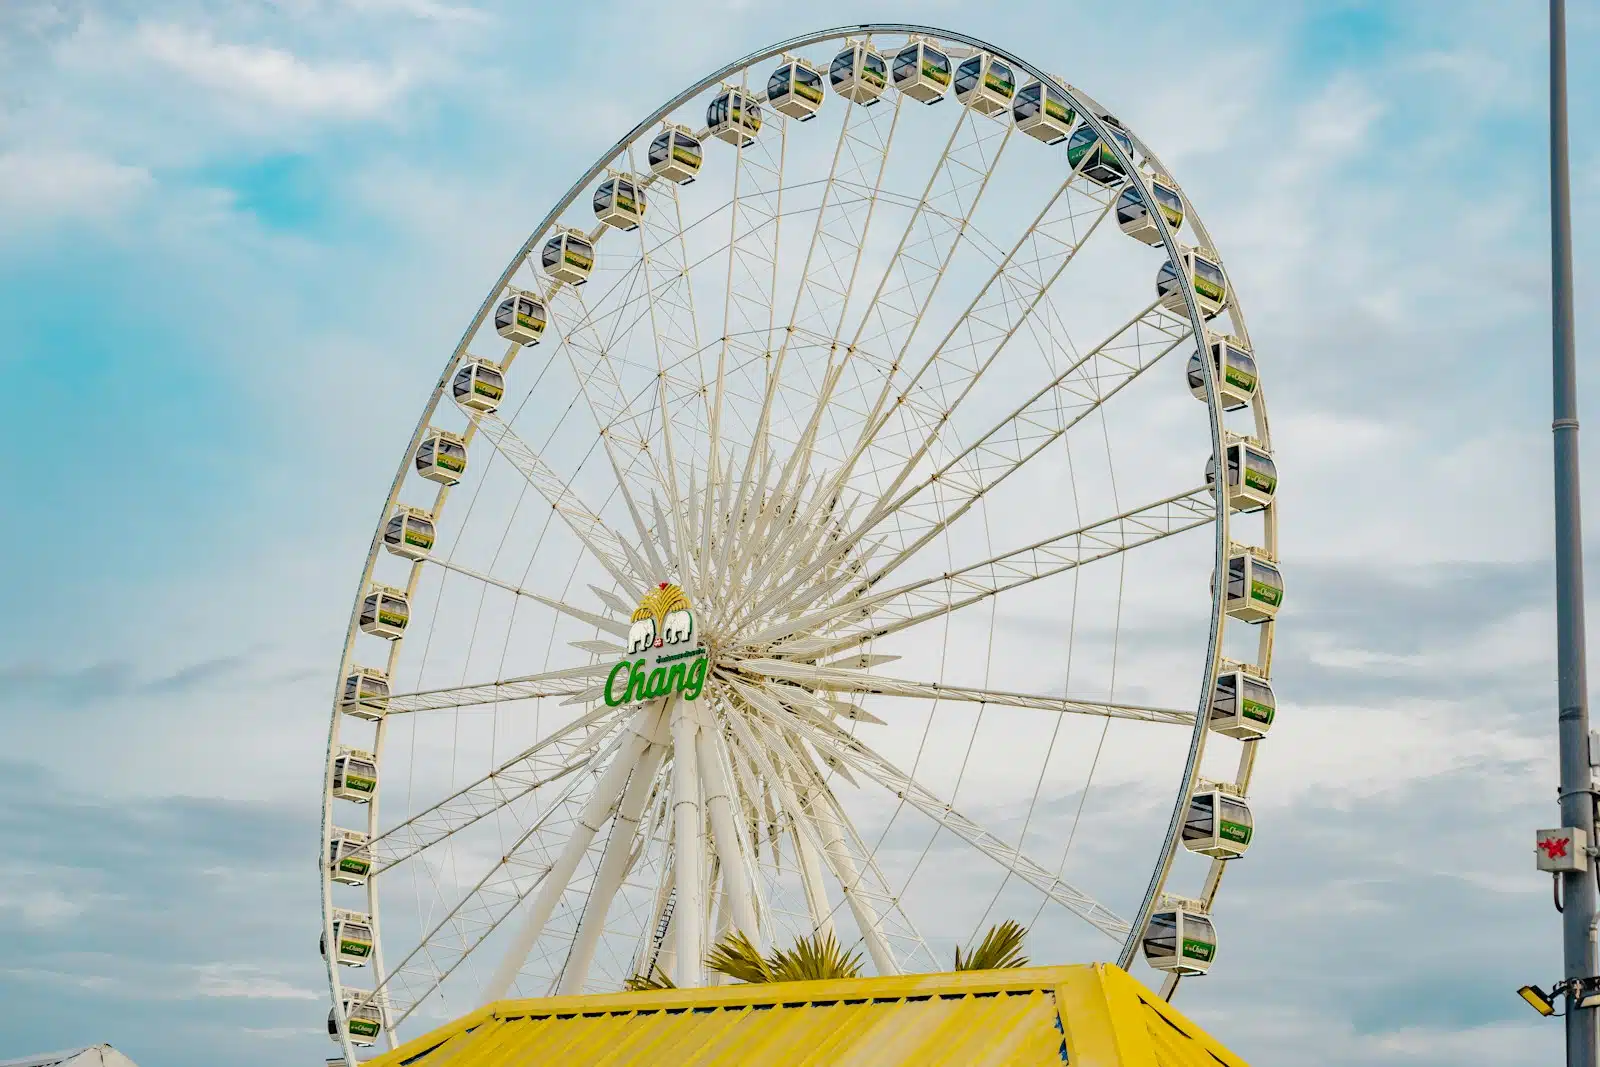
(1563,850)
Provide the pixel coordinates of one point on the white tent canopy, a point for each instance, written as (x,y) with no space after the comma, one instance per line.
(93,1056)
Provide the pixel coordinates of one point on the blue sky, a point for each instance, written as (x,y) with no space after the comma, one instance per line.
(237,240)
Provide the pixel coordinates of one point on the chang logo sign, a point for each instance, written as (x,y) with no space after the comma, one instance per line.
(670,658)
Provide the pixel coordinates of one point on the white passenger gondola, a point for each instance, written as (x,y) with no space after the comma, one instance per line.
(479,385)
(985,84)
(349,857)
(1218,825)
(1210,283)
(1092,157)
(1252,476)
(795,89)
(385,612)
(922,72)
(520,319)
(352,938)
(1242,705)
(355,775)
(363,1020)
(442,457)
(1042,113)
(1136,219)
(619,202)
(409,533)
(734,117)
(1235,367)
(675,155)
(859,73)
(1180,939)
(568,256)
(365,694)
(1255,587)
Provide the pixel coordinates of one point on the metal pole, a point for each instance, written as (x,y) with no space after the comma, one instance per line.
(1577,804)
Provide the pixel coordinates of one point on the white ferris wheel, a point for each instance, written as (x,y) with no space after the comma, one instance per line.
(812,532)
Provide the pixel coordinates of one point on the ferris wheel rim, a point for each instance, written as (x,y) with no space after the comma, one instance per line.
(1092,115)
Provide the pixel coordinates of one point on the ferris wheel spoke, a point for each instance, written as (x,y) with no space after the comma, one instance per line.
(1003,306)
(521,868)
(828,272)
(557,756)
(780,809)
(599,622)
(600,540)
(562,682)
(955,187)
(1047,416)
(864,760)
(675,330)
(748,307)
(856,619)
(874,906)
(644,731)
(851,680)
(615,861)
(621,427)
(812,805)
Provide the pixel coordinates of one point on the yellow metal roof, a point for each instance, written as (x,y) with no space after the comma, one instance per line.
(1093,1015)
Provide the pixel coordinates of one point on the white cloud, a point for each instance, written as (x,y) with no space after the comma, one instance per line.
(272,77)
(43,184)
(247,981)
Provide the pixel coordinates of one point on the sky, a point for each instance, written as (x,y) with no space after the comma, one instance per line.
(238,240)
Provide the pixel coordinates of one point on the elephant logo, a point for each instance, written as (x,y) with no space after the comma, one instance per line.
(662,619)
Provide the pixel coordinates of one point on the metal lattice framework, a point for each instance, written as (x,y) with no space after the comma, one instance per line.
(855,389)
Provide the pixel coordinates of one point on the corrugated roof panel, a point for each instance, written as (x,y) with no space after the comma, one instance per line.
(965,1019)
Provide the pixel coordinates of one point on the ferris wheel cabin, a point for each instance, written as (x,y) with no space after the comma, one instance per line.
(1043,114)
(1242,705)
(1134,216)
(1205,271)
(1094,159)
(363,1019)
(922,72)
(985,84)
(1235,368)
(1252,476)
(352,938)
(442,457)
(859,74)
(1255,587)
(349,857)
(1180,939)
(520,319)
(479,385)
(409,533)
(676,155)
(1218,825)
(568,256)
(385,612)
(365,694)
(355,775)
(619,203)
(734,117)
(795,89)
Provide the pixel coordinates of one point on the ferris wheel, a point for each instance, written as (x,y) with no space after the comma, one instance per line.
(815,531)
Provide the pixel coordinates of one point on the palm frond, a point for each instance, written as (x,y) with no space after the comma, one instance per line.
(657,979)
(740,960)
(1001,947)
(813,957)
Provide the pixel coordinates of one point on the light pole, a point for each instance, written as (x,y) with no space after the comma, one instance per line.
(1577,802)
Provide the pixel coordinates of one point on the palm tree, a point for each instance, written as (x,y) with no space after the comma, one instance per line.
(814,956)
(1001,947)
(818,956)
